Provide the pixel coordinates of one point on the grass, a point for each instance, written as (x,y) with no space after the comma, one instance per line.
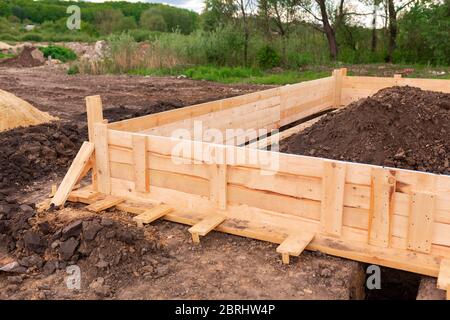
(235,74)
(6,55)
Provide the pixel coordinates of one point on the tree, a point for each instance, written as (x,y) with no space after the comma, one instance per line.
(323,17)
(244,10)
(284,14)
(108,20)
(152,20)
(218,13)
(392,14)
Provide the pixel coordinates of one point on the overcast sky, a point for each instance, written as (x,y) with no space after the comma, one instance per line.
(194,5)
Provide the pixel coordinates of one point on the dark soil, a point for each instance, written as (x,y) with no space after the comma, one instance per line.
(23,60)
(401,127)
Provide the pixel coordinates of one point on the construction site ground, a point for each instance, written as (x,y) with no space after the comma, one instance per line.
(118,260)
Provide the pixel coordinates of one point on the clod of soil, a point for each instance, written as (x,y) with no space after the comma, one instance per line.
(401,127)
(15,112)
(29,57)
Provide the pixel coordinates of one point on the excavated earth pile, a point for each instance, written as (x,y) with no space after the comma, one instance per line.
(29,57)
(401,127)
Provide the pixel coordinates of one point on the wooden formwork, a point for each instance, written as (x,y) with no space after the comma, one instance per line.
(392,217)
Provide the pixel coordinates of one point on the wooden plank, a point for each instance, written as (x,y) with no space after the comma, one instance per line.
(421,219)
(338,75)
(294,245)
(141,177)
(73,174)
(83,194)
(152,214)
(218,185)
(444,274)
(203,227)
(332,206)
(94,112)
(383,190)
(106,203)
(102,158)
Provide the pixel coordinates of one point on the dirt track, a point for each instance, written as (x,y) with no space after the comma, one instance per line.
(54,91)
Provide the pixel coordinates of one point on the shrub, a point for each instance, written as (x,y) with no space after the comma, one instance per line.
(268,57)
(32,37)
(73,70)
(61,53)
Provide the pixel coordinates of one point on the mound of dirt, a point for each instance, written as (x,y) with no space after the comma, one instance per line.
(15,112)
(27,154)
(108,251)
(29,57)
(402,127)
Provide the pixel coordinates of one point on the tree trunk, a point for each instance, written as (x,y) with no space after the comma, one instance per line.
(392,30)
(374,28)
(329,31)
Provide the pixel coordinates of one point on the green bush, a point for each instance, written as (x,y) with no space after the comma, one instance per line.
(268,58)
(73,70)
(61,53)
(299,59)
(32,37)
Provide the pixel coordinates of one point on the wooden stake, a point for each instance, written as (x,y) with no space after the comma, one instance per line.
(73,174)
(102,158)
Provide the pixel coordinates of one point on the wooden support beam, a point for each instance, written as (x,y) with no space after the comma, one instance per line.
(443,281)
(83,194)
(102,158)
(94,111)
(421,219)
(152,214)
(294,245)
(218,185)
(140,159)
(103,204)
(338,75)
(332,206)
(381,200)
(205,226)
(73,174)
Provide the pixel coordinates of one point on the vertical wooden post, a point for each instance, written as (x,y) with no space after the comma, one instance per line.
(338,75)
(102,158)
(219,179)
(421,213)
(94,111)
(140,159)
(332,207)
(381,199)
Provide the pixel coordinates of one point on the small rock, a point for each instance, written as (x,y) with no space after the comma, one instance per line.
(49,268)
(26,208)
(72,230)
(106,222)
(55,244)
(110,234)
(90,229)
(13,267)
(32,261)
(67,248)
(325,273)
(45,227)
(33,241)
(15,279)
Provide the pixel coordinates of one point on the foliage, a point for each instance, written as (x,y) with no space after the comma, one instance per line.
(57,52)
(268,57)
